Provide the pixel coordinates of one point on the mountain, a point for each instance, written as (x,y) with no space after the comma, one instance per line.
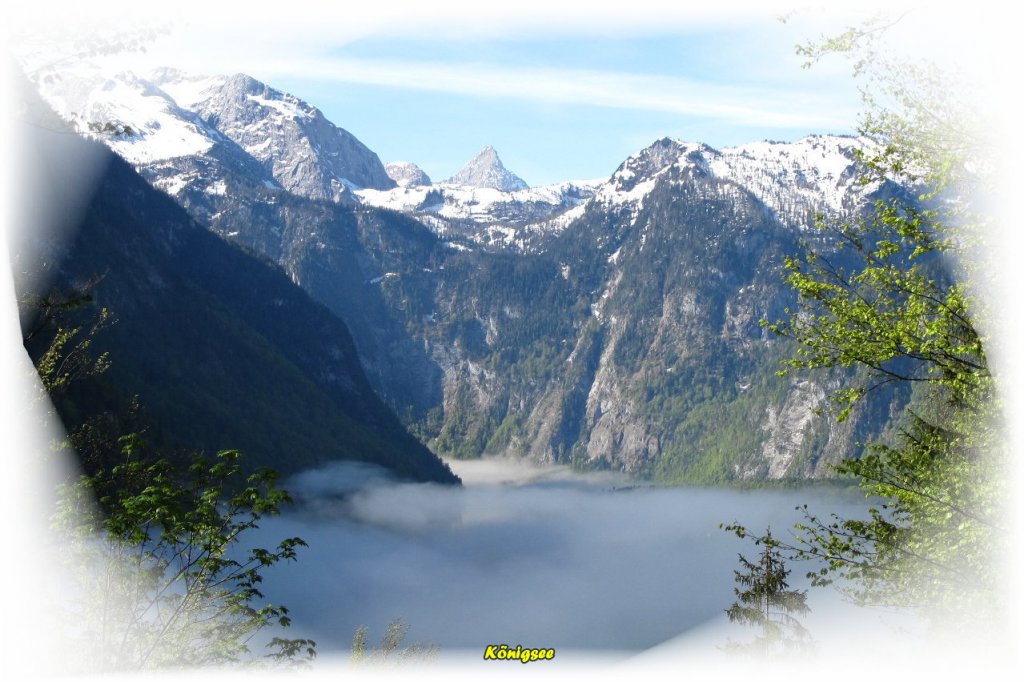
(607,324)
(625,333)
(221,348)
(407,174)
(680,256)
(622,332)
(180,128)
(485,171)
(794,181)
(304,152)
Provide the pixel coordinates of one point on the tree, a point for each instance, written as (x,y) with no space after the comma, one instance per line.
(891,295)
(894,313)
(159,575)
(768,603)
(66,358)
(160,582)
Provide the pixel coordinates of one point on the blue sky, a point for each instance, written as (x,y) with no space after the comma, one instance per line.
(561,90)
(573,106)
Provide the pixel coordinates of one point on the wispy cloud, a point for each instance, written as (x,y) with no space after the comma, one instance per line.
(296,44)
(610,89)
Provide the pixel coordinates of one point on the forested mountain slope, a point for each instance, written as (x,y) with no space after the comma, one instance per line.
(221,348)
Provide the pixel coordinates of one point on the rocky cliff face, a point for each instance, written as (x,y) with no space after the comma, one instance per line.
(650,294)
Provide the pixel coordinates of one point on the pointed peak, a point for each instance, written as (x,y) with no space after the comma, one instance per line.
(486,170)
(486,156)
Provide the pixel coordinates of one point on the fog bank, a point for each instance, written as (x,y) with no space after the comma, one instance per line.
(545,558)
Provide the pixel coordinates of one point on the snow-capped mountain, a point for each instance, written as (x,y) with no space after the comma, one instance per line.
(818,173)
(406,174)
(170,119)
(483,203)
(485,171)
(304,152)
(221,131)
(796,181)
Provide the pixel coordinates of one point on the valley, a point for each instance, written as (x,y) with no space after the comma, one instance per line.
(605,324)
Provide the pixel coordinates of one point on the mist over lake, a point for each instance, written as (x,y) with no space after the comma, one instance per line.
(538,557)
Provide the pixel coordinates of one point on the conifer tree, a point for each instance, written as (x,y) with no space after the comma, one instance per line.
(767,602)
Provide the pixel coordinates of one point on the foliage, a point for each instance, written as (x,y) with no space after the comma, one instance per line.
(928,541)
(162,583)
(767,602)
(389,651)
(889,293)
(157,578)
(67,357)
(884,308)
(924,129)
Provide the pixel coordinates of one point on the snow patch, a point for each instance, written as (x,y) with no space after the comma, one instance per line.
(174,184)
(287,107)
(141,123)
(386,275)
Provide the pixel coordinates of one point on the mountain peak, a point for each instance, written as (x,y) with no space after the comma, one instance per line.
(485,170)
(657,157)
(406,174)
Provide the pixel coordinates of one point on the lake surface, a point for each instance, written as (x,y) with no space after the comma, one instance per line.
(520,555)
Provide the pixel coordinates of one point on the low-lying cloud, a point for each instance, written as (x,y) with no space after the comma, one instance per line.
(554,560)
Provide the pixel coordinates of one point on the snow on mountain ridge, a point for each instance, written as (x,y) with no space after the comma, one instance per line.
(654,159)
(793,179)
(306,154)
(236,122)
(186,89)
(812,174)
(406,174)
(481,205)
